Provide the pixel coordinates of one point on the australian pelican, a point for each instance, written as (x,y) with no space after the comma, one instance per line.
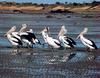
(28,37)
(14,37)
(88,43)
(66,41)
(49,40)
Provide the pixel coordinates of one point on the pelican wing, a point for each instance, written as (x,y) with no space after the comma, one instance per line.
(23,33)
(32,35)
(16,40)
(68,42)
(93,44)
(26,37)
(68,39)
(53,42)
(15,34)
(71,40)
(89,42)
(57,42)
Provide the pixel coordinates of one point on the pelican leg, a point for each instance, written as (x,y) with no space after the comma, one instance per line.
(91,50)
(88,49)
(32,46)
(18,47)
(24,45)
(28,46)
(44,45)
(15,49)
(67,48)
(49,47)
(52,49)
(18,52)
(72,48)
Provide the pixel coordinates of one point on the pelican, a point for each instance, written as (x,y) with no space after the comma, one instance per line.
(44,33)
(14,37)
(28,37)
(66,41)
(23,28)
(49,40)
(88,43)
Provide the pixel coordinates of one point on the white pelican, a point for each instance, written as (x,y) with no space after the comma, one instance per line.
(66,41)
(49,40)
(88,43)
(23,28)
(14,37)
(28,37)
(44,33)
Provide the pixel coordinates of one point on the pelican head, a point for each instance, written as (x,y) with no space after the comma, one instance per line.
(30,30)
(83,32)
(23,29)
(11,30)
(46,29)
(62,31)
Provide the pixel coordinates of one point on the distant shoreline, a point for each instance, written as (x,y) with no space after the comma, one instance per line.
(50,9)
(7,7)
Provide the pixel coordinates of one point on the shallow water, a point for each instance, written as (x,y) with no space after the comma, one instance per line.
(43,62)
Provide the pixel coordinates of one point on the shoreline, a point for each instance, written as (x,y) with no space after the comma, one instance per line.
(58,9)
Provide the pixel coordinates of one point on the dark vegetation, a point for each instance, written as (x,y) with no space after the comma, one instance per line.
(60,11)
(6,3)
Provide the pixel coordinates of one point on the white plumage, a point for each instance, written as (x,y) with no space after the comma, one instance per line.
(88,43)
(44,34)
(14,37)
(66,41)
(53,42)
(49,40)
(28,37)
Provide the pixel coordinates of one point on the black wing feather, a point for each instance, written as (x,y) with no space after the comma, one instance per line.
(32,35)
(57,43)
(27,37)
(69,43)
(71,40)
(93,44)
(19,41)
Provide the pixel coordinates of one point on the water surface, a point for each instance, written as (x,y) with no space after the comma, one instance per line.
(42,62)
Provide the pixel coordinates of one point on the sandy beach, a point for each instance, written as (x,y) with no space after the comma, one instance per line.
(41,9)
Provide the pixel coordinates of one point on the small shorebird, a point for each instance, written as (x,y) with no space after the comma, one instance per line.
(88,43)
(49,40)
(66,41)
(28,37)
(14,37)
